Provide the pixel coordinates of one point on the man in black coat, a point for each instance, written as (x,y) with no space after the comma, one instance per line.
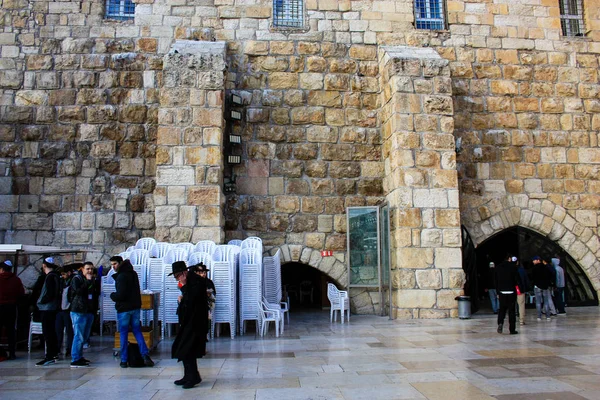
(128,303)
(190,343)
(49,305)
(506,282)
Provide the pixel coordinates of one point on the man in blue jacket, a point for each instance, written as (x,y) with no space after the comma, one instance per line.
(128,303)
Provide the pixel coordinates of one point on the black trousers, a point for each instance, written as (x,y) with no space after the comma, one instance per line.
(507,303)
(8,318)
(49,331)
(63,321)
(190,369)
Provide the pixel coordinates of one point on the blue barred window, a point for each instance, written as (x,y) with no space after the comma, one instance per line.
(571,17)
(288,13)
(430,14)
(120,9)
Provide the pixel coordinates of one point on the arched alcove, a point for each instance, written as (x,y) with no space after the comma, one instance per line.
(525,244)
(306,286)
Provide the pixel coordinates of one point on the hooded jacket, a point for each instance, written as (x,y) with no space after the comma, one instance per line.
(560,273)
(127,295)
(11,288)
(81,290)
(51,295)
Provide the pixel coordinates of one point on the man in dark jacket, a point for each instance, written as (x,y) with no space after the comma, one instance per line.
(49,305)
(542,281)
(190,343)
(82,302)
(63,318)
(11,290)
(128,302)
(506,282)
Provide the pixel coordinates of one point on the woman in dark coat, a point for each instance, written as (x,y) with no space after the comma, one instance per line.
(190,343)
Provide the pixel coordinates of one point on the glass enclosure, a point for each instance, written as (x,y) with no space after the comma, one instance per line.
(368,240)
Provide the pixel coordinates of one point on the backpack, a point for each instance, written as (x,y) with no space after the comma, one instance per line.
(134,357)
(66,299)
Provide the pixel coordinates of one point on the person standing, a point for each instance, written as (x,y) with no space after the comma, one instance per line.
(541,288)
(63,318)
(524,286)
(82,299)
(491,287)
(128,303)
(506,282)
(95,303)
(211,292)
(49,305)
(11,290)
(190,343)
(552,274)
(560,286)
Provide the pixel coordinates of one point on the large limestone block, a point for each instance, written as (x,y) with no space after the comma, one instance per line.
(415,257)
(429,279)
(448,258)
(409,298)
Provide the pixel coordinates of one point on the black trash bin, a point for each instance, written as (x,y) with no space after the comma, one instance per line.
(464,307)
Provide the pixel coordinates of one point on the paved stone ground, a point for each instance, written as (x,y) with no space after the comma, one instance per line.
(370,358)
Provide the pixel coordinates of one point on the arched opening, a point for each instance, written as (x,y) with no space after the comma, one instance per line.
(306,286)
(525,244)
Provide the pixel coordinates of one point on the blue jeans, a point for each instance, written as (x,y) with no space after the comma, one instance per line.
(81,323)
(494,299)
(126,319)
(542,295)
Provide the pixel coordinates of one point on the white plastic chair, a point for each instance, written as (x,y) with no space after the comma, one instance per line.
(175,254)
(139,257)
(145,243)
(204,258)
(205,246)
(187,246)
(252,242)
(160,249)
(235,242)
(35,328)
(339,302)
(268,315)
(130,249)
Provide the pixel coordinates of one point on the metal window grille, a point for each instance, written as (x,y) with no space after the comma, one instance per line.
(288,13)
(429,14)
(120,9)
(571,17)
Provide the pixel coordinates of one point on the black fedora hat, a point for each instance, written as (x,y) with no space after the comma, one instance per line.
(199,267)
(178,266)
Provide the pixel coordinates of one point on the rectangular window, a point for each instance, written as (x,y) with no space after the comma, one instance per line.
(120,9)
(430,14)
(288,13)
(571,17)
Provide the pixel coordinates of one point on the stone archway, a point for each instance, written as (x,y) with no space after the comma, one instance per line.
(493,215)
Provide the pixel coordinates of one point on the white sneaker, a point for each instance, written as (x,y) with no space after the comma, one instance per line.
(539,319)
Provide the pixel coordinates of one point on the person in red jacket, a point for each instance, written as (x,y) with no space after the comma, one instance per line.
(11,289)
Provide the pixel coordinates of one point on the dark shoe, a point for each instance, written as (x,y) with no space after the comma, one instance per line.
(86,360)
(123,364)
(180,382)
(148,361)
(79,363)
(514,333)
(500,327)
(192,383)
(45,362)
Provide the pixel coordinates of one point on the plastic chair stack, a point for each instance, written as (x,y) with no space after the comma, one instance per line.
(339,302)
(145,243)
(107,306)
(170,287)
(250,287)
(205,246)
(204,258)
(224,276)
(235,242)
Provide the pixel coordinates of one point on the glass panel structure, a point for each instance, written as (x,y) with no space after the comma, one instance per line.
(363,239)
(120,9)
(571,17)
(288,13)
(430,14)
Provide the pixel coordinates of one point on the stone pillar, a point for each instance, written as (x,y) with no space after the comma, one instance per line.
(189,195)
(421,182)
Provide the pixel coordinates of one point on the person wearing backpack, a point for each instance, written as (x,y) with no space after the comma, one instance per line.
(49,305)
(82,302)
(63,318)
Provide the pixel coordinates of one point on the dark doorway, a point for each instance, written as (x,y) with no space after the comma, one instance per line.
(525,244)
(305,286)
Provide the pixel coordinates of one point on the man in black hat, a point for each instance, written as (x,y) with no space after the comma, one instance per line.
(506,282)
(128,303)
(211,292)
(190,343)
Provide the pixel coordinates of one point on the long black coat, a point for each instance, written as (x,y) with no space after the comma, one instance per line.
(193,320)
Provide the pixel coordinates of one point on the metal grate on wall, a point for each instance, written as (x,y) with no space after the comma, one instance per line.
(288,13)
(571,17)
(430,14)
(120,9)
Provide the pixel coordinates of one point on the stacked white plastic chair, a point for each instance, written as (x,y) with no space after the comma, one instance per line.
(189,247)
(339,302)
(155,272)
(170,287)
(205,246)
(224,276)
(145,243)
(250,288)
(272,290)
(204,258)
(235,242)
(139,259)
(107,306)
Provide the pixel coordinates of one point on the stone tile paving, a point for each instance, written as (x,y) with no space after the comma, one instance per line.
(369,358)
